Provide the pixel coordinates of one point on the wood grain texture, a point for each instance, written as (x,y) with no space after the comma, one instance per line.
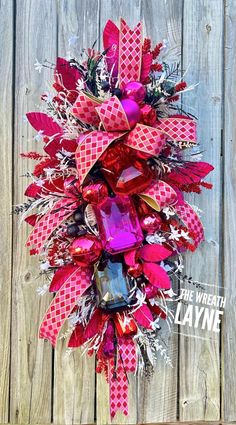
(31,368)
(74,376)
(199,386)
(6,136)
(229,222)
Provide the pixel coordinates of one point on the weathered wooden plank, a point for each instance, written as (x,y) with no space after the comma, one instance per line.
(6,135)
(199,386)
(30,357)
(229,223)
(130,11)
(74,376)
(158,398)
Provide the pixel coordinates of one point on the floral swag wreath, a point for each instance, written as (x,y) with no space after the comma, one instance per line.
(106,203)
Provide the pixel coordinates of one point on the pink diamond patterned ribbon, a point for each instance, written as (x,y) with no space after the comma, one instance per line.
(118,381)
(146,139)
(130,53)
(84,108)
(91,148)
(49,222)
(179,129)
(189,217)
(64,301)
(112,115)
(159,195)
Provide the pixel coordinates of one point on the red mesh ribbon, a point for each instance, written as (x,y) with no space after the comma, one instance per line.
(192,221)
(130,53)
(64,301)
(118,380)
(49,222)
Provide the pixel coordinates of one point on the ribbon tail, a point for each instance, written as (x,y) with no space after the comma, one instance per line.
(189,217)
(118,379)
(179,129)
(130,53)
(49,222)
(63,303)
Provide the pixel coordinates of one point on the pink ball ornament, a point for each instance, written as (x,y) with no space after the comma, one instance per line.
(132,111)
(150,223)
(85,250)
(134,90)
(95,193)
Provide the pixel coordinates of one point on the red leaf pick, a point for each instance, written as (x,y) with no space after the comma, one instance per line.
(33,190)
(60,276)
(143,316)
(129,257)
(111,42)
(156,275)
(94,324)
(42,122)
(66,75)
(53,186)
(191,172)
(154,252)
(158,311)
(58,144)
(77,336)
(32,219)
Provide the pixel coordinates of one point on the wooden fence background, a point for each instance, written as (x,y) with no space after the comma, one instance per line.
(38,385)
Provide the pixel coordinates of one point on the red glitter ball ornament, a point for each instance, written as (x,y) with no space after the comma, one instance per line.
(148,115)
(95,193)
(151,223)
(136,270)
(85,250)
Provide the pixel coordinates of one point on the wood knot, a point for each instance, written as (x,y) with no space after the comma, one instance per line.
(208,28)
(27,276)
